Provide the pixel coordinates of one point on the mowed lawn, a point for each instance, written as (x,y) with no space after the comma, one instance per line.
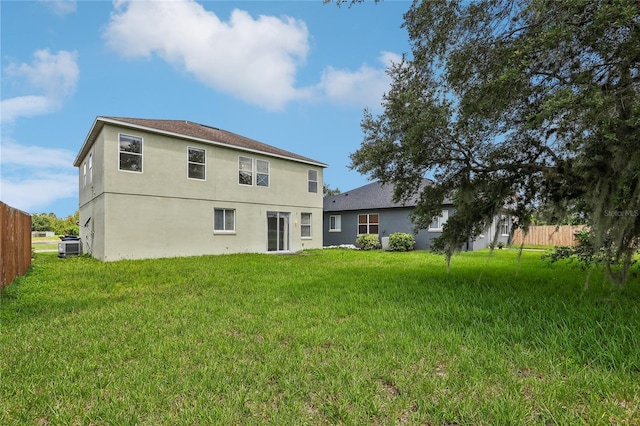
(320,337)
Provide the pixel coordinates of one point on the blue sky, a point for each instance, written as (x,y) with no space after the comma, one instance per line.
(293,74)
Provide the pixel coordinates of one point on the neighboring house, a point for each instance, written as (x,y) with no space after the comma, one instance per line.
(40,234)
(170,188)
(370,209)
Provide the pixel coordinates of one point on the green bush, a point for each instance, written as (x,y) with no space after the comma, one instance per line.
(401,241)
(368,242)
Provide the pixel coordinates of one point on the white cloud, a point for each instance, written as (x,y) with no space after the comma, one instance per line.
(255,60)
(54,76)
(33,177)
(61,7)
(363,87)
(35,156)
(252,59)
(25,106)
(38,192)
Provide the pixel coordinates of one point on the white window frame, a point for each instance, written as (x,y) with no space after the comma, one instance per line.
(260,176)
(337,222)
(311,181)
(224,221)
(368,224)
(241,170)
(84,174)
(439,221)
(203,164)
(305,226)
(503,222)
(90,168)
(141,153)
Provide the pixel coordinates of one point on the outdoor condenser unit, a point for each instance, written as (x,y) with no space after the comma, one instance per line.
(71,247)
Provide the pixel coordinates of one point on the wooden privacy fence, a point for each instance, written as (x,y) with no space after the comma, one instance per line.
(15,244)
(548,235)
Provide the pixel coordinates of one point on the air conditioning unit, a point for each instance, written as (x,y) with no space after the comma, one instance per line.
(69,247)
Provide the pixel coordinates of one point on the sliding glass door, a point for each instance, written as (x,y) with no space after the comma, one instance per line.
(277,231)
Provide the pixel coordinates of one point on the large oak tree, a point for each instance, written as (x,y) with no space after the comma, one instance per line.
(525,104)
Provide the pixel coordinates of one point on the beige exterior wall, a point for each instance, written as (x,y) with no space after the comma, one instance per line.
(95,178)
(151,227)
(162,213)
(92,229)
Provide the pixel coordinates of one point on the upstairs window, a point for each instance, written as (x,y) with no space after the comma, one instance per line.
(84,174)
(368,223)
(305,225)
(130,151)
(438,222)
(313,180)
(196,163)
(262,173)
(90,168)
(245,171)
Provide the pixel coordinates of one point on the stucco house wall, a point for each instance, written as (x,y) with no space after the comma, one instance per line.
(162,212)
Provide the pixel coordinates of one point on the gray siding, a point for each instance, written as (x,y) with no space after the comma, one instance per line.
(397,220)
(391,221)
(485,239)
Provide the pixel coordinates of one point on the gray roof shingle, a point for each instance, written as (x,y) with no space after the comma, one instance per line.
(374,195)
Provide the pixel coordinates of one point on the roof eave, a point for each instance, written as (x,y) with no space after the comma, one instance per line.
(90,138)
(88,141)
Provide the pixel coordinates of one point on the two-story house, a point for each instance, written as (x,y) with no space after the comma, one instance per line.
(170,188)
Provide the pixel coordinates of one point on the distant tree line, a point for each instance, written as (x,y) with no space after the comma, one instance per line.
(327,190)
(50,222)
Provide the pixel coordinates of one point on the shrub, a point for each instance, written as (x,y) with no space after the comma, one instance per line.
(617,264)
(368,242)
(401,241)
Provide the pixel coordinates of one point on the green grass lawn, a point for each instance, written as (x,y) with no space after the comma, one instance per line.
(322,337)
